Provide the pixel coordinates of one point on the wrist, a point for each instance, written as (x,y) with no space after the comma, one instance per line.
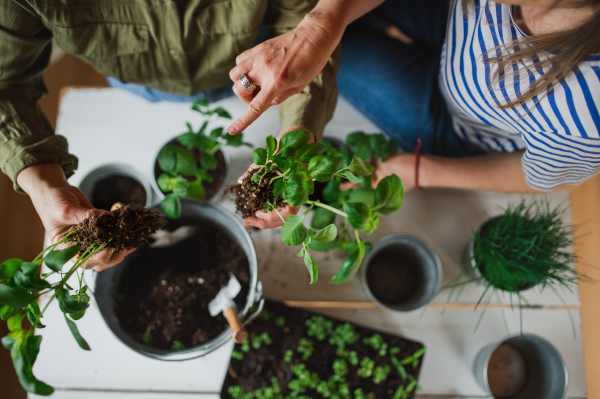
(326,24)
(37,177)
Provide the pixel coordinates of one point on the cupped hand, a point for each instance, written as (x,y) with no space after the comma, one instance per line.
(401,165)
(282,66)
(61,207)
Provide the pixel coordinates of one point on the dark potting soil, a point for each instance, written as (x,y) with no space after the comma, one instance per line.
(218,174)
(125,228)
(393,275)
(286,327)
(250,197)
(166,291)
(118,188)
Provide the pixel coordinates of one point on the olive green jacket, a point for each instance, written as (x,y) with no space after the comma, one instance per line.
(178,46)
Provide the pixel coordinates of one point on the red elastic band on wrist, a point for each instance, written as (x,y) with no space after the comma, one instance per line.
(417,157)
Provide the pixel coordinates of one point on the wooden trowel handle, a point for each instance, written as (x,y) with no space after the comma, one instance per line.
(240,334)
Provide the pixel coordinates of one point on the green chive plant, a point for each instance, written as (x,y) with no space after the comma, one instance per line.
(182,176)
(296,182)
(527,245)
(19,291)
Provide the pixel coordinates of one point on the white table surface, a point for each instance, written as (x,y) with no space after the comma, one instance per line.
(111,126)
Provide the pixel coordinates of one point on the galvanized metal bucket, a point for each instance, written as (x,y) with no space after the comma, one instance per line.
(217,195)
(546,373)
(430,268)
(89,182)
(107,282)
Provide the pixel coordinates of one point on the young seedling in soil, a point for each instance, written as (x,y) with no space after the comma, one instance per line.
(528,245)
(283,177)
(310,356)
(20,287)
(188,167)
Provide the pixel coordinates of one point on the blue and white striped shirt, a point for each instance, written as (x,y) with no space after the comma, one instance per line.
(561,135)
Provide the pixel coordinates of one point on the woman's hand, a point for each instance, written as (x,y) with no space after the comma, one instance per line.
(61,207)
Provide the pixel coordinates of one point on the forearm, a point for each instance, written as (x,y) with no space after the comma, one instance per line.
(500,172)
(341,11)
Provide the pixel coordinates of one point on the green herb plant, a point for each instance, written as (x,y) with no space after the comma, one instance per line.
(182,176)
(296,182)
(19,291)
(527,245)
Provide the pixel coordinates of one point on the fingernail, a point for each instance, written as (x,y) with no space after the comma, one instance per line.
(242,177)
(232,130)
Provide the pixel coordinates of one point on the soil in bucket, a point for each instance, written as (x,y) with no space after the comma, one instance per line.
(507,371)
(250,196)
(218,174)
(394,275)
(118,188)
(163,295)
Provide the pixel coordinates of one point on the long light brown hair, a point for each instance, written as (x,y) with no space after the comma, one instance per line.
(556,53)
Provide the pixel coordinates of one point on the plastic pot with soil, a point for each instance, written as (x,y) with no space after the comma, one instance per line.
(112,183)
(156,301)
(294,353)
(20,286)
(522,366)
(402,273)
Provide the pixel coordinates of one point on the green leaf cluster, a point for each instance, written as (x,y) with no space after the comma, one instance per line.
(182,175)
(19,290)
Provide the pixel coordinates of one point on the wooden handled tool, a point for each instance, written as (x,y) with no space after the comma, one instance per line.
(223,302)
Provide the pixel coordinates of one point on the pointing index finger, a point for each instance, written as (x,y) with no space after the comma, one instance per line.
(255,108)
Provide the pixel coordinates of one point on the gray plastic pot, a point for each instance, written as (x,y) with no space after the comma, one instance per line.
(429,266)
(546,376)
(106,283)
(216,196)
(89,182)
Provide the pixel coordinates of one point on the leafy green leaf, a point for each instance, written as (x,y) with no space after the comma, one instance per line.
(360,167)
(373,222)
(271,145)
(167,159)
(20,352)
(323,167)
(209,161)
(30,283)
(33,347)
(15,297)
(171,204)
(295,192)
(216,133)
(235,141)
(75,331)
(308,151)
(312,267)
(259,156)
(56,259)
(293,232)
(14,323)
(9,268)
(361,144)
(350,176)
(350,265)
(196,189)
(30,268)
(358,214)
(177,345)
(319,247)
(294,139)
(186,161)
(327,234)
(363,194)
(167,183)
(8,311)
(34,314)
(389,195)
(83,298)
(322,218)
(70,303)
(278,187)
(200,103)
(222,113)
(382,147)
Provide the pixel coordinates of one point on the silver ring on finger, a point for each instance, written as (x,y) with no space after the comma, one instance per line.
(247,83)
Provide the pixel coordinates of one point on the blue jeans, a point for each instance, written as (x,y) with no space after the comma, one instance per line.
(395,85)
(154,95)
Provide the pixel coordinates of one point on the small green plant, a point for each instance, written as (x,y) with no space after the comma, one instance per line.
(296,182)
(528,245)
(19,291)
(182,176)
(305,348)
(177,345)
(319,327)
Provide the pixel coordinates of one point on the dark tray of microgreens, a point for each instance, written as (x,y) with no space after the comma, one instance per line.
(287,172)
(292,353)
(20,286)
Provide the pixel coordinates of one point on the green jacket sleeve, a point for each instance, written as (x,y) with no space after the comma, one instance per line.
(314,106)
(26,135)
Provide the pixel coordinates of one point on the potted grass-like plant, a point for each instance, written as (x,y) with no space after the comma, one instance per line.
(526,246)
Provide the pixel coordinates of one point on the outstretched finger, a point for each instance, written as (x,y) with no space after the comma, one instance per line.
(257,106)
